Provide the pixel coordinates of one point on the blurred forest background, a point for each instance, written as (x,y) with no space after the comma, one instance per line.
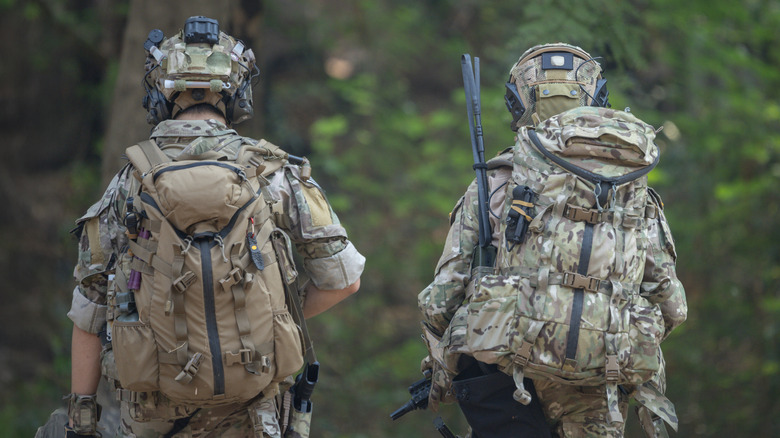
(370,91)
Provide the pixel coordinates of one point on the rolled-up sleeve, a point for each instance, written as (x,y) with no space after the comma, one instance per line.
(337,271)
(85,314)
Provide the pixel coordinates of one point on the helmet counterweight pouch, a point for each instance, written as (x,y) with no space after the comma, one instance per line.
(555,98)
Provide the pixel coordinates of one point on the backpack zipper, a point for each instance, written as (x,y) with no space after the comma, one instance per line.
(169,168)
(205,245)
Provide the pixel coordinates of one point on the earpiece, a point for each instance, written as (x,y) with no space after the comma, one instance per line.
(157,107)
(513,102)
(601,95)
(239,106)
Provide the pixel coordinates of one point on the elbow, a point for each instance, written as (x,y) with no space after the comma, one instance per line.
(352,288)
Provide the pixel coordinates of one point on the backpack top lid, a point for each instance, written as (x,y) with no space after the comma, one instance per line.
(608,144)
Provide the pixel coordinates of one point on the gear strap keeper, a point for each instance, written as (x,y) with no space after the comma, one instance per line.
(84,412)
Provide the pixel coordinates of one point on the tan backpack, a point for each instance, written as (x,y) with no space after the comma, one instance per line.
(566,300)
(203,316)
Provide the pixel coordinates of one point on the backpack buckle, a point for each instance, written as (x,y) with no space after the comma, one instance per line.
(182,283)
(612,369)
(232,277)
(579,281)
(190,369)
(581,214)
(523,354)
(243,357)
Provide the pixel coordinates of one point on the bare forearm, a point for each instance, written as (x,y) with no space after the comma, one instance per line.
(318,300)
(85,362)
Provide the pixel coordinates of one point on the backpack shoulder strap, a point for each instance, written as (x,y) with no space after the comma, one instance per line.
(146,155)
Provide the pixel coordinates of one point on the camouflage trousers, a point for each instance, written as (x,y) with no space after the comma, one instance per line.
(579,411)
(248,420)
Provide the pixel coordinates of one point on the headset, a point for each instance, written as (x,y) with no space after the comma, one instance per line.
(157,106)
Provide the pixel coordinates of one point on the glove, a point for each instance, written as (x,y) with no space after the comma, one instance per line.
(84,414)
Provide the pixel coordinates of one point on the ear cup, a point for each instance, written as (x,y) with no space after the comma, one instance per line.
(239,106)
(601,95)
(157,107)
(513,103)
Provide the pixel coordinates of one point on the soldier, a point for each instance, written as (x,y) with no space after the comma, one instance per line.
(488,331)
(198,85)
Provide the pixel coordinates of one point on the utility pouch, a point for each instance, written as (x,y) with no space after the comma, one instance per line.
(520,214)
(300,424)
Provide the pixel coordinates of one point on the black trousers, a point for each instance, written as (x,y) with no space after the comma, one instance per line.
(485,396)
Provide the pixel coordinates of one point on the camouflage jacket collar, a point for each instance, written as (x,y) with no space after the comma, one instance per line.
(191,128)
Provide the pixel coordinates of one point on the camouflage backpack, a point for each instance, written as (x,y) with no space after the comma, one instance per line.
(198,307)
(566,300)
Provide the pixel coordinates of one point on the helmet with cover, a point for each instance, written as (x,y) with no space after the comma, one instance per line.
(551,78)
(198,65)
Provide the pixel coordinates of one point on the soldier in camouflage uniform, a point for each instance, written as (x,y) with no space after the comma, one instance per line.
(197,121)
(485,397)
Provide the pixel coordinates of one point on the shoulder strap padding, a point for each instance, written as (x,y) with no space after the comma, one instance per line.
(265,156)
(146,155)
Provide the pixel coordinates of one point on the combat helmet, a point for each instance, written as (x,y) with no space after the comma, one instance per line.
(198,65)
(551,78)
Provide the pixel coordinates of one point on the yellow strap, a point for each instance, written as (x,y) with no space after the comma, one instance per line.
(522,213)
(523,203)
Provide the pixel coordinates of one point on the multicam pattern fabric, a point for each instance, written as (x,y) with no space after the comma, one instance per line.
(637,300)
(578,412)
(300,425)
(255,419)
(324,247)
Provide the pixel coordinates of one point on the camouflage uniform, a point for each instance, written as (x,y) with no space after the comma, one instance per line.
(572,411)
(329,258)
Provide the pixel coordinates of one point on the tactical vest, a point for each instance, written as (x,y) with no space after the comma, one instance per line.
(197,309)
(565,300)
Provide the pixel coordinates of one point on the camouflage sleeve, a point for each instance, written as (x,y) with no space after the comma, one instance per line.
(439,301)
(329,258)
(100,232)
(660,280)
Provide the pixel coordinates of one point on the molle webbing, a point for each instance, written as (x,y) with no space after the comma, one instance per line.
(574,280)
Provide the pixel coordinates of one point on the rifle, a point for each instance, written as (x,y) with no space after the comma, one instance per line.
(486,254)
(419,391)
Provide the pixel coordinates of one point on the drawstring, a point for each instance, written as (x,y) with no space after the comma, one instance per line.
(188,242)
(221,244)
